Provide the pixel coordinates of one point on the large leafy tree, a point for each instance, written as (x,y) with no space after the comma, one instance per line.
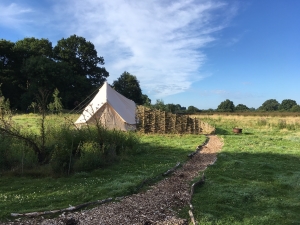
(81,56)
(15,56)
(46,74)
(270,105)
(129,86)
(226,106)
(33,47)
(8,71)
(30,64)
(287,104)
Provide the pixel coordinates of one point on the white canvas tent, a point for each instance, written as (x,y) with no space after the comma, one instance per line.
(111,109)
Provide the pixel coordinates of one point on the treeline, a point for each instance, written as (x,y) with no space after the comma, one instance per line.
(30,65)
(271,105)
(72,70)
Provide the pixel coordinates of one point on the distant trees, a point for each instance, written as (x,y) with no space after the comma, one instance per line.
(226,106)
(269,105)
(287,104)
(241,107)
(192,109)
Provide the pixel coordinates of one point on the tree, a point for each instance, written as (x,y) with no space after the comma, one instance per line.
(160,105)
(295,108)
(33,47)
(287,104)
(129,86)
(56,105)
(192,109)
(8,72)
(241,107)
(45,73)
(81,57)
(14,57)
(226,106)
(146,100)
(270,105)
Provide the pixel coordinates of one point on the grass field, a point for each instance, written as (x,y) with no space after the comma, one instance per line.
(156,154)
(256,179)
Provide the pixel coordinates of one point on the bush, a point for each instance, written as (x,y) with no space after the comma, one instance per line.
(91,157)
(61,160)
(15,156)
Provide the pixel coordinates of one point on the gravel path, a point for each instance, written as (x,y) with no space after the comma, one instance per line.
(155,206)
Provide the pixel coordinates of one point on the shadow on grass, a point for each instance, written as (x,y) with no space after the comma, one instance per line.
(245,188)
(130,174)
(222,131)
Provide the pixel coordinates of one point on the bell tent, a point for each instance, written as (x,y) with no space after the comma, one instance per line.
(111,109)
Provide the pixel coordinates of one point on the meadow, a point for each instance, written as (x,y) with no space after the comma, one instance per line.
(255,180)
(40,190)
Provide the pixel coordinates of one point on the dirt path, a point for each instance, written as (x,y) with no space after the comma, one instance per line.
(154,206)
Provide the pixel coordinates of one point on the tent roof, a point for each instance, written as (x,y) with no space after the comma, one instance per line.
(122,105)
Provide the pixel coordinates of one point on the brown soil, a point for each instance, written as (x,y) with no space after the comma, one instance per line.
(154,206)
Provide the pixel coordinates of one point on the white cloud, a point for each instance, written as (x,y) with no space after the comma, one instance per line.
(12,15)
(159,41)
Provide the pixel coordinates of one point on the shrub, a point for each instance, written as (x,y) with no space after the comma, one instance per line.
(61,160)
(15,156)
(91,157)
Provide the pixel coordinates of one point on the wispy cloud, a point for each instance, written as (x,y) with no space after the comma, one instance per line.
(159,41)
(14,15)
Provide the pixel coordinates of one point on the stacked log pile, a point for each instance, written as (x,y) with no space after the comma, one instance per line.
(157,121)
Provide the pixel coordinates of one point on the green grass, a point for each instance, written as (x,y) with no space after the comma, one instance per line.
(30,122)
(255,180)
(156,154)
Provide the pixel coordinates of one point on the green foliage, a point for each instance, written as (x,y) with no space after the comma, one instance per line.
(192,109)
(270,105)
(91,157)
(160,105)
(154,155)
(129,86)
(15,155)
(56,105)
(67,149)
(34,106)
(81,57)
(226,106)
(72,66)
(287,104)
(295,108)
(241,107)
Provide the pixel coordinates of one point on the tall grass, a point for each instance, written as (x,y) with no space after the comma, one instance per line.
(65,150)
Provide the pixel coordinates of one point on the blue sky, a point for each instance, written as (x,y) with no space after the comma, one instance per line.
(188,52)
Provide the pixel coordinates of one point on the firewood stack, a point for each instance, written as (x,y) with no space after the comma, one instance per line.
(161,122)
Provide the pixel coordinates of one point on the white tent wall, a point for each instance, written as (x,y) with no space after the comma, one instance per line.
(110,109)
